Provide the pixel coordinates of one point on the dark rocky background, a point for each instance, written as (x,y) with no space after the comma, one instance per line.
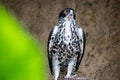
(99,18)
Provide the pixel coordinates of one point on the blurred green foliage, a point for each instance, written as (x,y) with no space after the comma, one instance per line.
(21,57)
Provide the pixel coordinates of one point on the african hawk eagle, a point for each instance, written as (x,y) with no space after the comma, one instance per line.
(66,45)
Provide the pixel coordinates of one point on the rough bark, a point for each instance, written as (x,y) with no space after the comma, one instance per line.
(99,18)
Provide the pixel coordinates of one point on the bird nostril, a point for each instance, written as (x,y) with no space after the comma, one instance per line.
(71,14)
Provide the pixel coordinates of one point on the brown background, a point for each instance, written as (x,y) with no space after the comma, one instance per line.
(100,20)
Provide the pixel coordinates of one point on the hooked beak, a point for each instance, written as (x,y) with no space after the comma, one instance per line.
(70,16)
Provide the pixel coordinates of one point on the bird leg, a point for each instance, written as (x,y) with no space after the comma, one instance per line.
(56,68)
(56,72)
(70,69)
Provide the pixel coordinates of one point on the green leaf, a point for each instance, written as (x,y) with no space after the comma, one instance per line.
(21,57)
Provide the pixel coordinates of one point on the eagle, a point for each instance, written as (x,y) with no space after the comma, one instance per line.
(66,45)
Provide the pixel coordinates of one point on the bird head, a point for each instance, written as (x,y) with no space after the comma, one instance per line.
(67,14)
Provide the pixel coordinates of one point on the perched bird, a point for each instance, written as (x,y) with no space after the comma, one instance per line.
(66,44)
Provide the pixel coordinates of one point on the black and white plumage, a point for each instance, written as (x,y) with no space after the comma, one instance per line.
(66,45)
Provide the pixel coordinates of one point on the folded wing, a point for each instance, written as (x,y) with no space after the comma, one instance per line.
(51,40)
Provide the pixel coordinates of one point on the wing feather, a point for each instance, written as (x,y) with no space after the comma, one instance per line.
(50,44)
(82,39)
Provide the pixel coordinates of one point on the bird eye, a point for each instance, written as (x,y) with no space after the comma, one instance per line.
(65,12)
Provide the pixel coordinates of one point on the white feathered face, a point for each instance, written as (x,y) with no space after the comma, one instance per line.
(67,14)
